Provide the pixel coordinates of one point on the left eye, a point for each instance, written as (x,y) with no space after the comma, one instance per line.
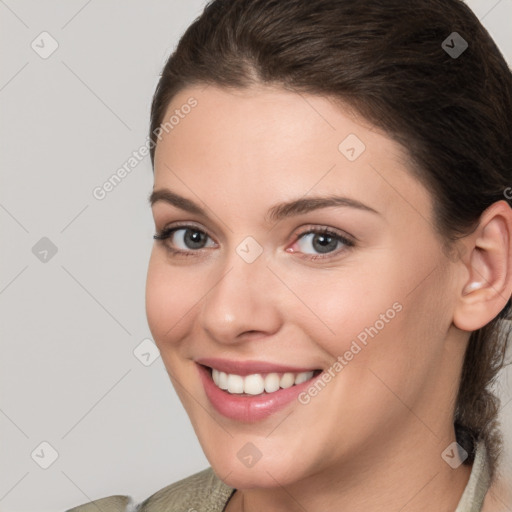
(192,238)
(321,241)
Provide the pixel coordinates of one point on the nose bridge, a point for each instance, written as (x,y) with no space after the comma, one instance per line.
(239,298)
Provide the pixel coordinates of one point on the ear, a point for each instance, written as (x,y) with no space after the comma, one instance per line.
(488,262)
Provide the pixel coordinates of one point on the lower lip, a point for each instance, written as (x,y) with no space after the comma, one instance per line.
(249,409)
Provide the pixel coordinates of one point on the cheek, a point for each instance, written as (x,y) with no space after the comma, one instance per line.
(170,295)
(368,316)
(346,307)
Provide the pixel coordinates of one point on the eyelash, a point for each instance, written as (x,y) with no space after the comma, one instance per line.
(166,233)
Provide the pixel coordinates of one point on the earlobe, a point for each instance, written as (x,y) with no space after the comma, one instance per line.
(487,289)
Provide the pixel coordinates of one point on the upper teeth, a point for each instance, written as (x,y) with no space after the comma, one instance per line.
(256,383)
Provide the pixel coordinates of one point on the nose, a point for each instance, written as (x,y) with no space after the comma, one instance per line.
(240,302)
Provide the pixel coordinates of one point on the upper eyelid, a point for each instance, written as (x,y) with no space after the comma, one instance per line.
(185,225)
(298,231)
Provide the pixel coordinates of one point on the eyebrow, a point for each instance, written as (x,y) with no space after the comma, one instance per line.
(276,213)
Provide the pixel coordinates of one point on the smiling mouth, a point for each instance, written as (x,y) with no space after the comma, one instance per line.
(258,383)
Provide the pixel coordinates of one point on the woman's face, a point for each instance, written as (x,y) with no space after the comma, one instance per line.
(373,311)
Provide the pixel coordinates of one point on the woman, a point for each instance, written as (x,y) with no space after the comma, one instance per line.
(331,277)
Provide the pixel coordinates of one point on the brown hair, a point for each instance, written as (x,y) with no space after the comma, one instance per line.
(452,113)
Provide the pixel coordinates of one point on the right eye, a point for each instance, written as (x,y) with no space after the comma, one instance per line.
(191,239)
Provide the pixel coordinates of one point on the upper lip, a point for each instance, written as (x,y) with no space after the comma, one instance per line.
(249,367)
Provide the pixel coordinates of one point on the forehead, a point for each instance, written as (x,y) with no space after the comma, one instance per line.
(253,144)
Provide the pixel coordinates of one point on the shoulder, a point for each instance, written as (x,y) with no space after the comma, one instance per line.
(499,496)
(110,504)
(195,491)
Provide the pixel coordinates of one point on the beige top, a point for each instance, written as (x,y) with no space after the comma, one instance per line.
(205,492)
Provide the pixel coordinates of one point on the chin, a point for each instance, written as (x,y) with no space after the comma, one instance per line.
(252,478)
(273,472)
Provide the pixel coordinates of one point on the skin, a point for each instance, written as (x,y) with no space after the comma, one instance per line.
(373,437)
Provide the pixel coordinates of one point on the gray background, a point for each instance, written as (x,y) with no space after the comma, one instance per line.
(70,324)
